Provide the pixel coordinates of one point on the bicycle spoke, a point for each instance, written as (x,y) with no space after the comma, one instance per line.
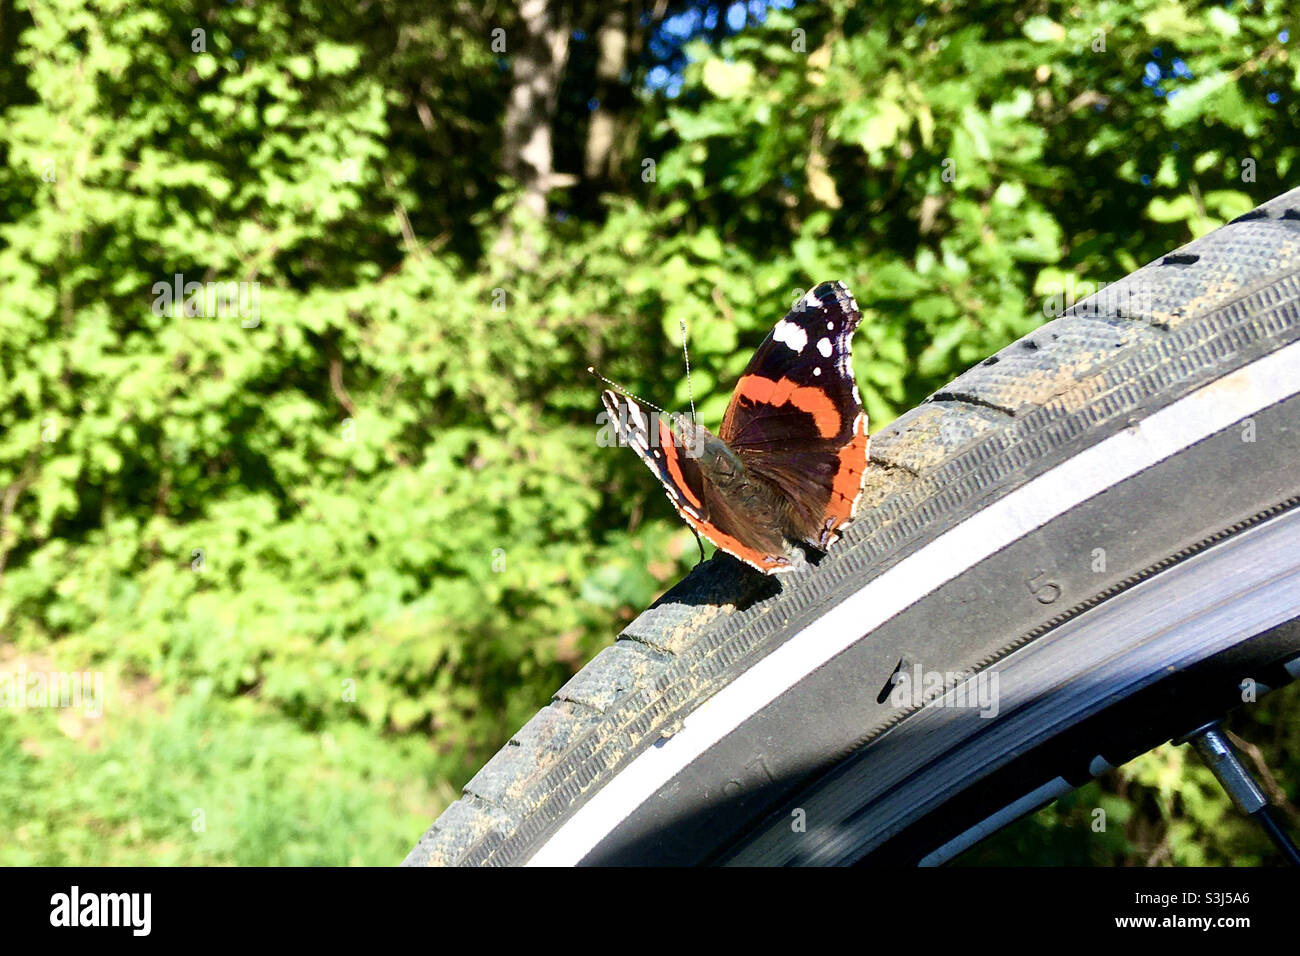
(1222,759)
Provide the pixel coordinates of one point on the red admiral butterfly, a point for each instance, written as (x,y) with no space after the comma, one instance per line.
(788,463)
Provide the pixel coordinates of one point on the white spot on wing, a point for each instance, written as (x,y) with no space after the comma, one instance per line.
(638,417)
(811,301)
(824,346)
(790,335)
(817,371)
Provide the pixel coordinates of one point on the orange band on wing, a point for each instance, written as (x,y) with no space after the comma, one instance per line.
(674,469)
(805,398)
(848,477)
(752,556)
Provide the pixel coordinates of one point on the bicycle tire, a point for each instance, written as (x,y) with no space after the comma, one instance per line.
(1032,501)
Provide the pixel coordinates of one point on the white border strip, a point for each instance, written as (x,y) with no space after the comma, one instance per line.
(1196,416)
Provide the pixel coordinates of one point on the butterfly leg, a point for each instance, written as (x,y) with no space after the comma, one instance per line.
(699,543)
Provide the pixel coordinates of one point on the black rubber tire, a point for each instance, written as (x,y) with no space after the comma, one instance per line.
(624,767)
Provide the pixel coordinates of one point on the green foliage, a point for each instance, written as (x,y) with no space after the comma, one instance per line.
(207,781)
(376,512)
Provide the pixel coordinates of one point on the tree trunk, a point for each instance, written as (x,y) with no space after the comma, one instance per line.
(612,42)
(538,57)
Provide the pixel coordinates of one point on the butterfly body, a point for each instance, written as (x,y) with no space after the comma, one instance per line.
(788,463)
(739,489)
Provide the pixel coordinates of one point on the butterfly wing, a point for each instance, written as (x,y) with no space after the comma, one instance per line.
(696,499)
(796,417)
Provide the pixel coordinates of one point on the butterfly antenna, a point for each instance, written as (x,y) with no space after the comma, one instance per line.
(619,388)
(690,392)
